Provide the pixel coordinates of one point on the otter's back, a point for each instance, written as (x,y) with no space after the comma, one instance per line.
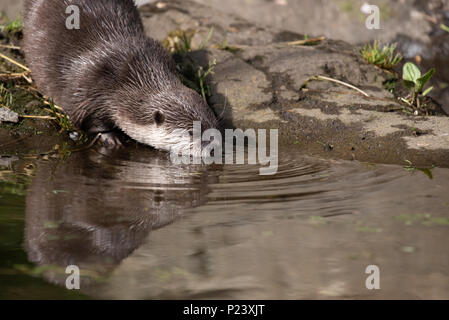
(51,48)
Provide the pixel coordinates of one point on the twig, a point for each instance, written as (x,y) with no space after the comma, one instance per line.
(348,92)
(38,117)
(53,112)
(7,46)
(14,76)
(14,62)
(49,104)
(305,41)
(27,78)
(406,101)
(429,18)
(342,83)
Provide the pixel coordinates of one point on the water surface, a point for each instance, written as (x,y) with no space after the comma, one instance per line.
(141,227)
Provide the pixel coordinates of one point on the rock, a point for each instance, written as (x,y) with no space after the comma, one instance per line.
(413,25)
(342,20)
(267,84)
(12,8)
(160,20)
(7,115)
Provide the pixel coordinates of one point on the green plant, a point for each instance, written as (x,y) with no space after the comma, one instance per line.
(195,78)
(227,47)
(6,97)
(347,6)
(381,56)
(205,42)
(179,41)
(61,118)
(12,27)
(201,78)
(410,167)
(390,84)
(415,81)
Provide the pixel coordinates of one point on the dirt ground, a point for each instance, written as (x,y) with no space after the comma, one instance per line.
(11,7)
(14,7)
(413,24)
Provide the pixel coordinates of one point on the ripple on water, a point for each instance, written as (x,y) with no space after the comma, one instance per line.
(224,231)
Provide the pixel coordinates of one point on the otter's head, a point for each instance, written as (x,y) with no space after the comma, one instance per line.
(165,120)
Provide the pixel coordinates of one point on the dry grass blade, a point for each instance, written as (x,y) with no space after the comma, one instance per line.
(38,117)
(305,41)
(14,62)
(10,76)
(7,46)
(15,76)
(49,104)
(342,83)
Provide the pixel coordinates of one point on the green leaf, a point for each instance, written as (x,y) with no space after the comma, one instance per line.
(427,172)
(410,72)
(421,82)
(427,91)
(409,84)
(206,41)
(444,27)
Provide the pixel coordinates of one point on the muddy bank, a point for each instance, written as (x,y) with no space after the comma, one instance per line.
(413,24)
(139,226)
(337,19)
(263,83)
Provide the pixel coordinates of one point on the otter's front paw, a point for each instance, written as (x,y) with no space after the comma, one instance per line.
(110,140)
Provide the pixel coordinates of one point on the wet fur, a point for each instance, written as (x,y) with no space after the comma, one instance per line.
(108,74)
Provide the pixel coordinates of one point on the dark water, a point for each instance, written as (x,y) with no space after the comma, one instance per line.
(139,227)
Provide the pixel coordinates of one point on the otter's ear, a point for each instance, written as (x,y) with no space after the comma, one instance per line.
(159,118)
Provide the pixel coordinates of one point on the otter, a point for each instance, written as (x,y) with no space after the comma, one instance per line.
(106,214)
(108,76)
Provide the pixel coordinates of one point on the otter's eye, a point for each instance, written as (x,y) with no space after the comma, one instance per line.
(159,118)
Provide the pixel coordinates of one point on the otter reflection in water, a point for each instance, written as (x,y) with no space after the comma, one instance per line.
(93,211)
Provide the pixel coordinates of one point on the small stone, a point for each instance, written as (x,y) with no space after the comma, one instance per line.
(366,8)
(7,115)
(74,135)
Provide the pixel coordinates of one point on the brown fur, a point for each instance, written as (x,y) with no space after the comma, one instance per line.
(108,70)
(105,214)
